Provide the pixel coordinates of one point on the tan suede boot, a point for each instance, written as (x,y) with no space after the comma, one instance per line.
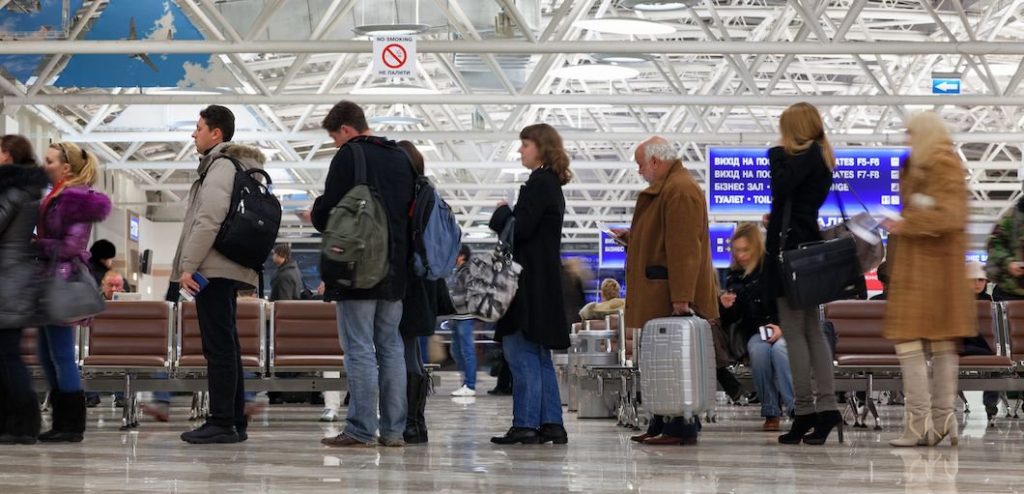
(945,383)
(914,368)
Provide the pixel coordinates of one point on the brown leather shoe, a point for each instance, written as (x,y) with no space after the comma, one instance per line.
(344,441)
(641,438)
(664,440)
(771,424)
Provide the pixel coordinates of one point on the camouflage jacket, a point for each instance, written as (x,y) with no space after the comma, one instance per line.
(1004,247)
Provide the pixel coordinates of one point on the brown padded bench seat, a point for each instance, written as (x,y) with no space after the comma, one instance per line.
(28,346)
(1015,329)
(131,335)
(304,336)
(250,319)
(859,341)
(987,329)
(860,344)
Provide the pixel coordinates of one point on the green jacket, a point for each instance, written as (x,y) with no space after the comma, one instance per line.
(1004,247)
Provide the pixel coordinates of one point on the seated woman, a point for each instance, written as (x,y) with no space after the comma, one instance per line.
(611,303)
(757,316)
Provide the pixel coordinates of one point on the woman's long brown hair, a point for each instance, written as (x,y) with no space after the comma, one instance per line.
(552,152)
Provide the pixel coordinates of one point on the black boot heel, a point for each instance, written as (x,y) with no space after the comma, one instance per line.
(826,422)
(802,424)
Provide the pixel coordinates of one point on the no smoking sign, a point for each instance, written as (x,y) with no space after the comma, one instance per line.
(394,56)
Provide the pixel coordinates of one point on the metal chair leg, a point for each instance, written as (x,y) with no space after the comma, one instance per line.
(871,402)
(129,415)
(963,398)
(196,409)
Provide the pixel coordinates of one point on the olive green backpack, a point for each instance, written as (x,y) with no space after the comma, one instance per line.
(355,246)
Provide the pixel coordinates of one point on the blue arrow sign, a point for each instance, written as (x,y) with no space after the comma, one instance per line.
(945,86)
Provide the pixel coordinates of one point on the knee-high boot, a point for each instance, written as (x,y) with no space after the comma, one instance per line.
(914,367)
(945,383)
(415,421)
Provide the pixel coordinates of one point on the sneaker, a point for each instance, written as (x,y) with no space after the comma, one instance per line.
(92,400)
(391,443)
(464,391)
(158,410)
(211,434)
(253,408)
(329,415)
(344,441)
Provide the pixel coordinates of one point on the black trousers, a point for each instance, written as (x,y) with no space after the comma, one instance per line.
(215,307)
(14,378)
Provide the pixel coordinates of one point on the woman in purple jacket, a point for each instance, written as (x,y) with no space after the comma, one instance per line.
(66,216)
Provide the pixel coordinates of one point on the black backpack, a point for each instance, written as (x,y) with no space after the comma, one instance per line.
(249,231)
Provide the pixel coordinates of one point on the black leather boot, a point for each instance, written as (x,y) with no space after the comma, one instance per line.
(415,420)
(68,418)
(826,422)
(802,424)
(21,419)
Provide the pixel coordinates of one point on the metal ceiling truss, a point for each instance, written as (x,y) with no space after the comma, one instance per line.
(721,79)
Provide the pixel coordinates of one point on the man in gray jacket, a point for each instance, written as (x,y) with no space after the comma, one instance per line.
(208,204)
(287,283)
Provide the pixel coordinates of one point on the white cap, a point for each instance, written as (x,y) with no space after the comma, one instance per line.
(976,271)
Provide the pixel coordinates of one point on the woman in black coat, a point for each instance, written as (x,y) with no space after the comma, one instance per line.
(801,176)
(21,187)
(424,301)
(535,321)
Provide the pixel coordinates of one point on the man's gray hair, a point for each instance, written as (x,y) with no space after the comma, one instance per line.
(660,150)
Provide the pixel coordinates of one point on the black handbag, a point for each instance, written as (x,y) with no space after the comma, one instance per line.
(817,273)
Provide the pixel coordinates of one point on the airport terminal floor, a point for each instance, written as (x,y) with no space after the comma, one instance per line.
(283,454)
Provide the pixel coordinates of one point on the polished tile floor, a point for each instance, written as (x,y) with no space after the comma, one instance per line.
(284,455)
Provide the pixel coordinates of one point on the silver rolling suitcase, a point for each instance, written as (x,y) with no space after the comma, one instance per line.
(677,367)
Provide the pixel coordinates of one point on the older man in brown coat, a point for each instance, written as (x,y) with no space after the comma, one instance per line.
(668,264)
(668,260)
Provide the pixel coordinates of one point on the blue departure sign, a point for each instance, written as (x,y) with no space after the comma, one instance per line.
(739,180)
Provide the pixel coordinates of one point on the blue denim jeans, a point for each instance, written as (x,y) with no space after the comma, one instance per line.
(535,399)
(56,351)
(375,367)
(772,377)
(464,350)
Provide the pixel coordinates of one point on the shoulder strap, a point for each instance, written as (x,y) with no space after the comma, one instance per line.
(359,161)
(238,166)
(787,212)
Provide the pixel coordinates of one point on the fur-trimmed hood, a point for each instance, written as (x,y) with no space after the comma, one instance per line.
(249,156)
(82,205)
(31,179)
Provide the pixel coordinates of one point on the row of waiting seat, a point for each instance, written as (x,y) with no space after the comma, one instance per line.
(860,346)
(133,338)
(140,336)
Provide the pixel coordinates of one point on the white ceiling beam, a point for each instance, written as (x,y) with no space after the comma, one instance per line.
(749,138)
(123,47)
(555,100)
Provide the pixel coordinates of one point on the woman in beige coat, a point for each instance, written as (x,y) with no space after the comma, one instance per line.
(930,306)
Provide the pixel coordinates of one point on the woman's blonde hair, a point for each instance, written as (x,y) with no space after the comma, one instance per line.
(610,289)
(928,135)
(752,233)
(84,165)
(801,126)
